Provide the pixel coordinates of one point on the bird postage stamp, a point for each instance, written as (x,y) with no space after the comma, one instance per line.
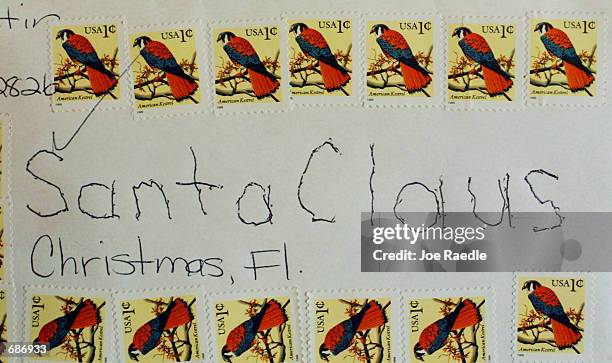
(158,326)
(563,59)
(72,324)
(255,327)
(247,66)
(4,319)
(2,198)
(447,329)
(551,315)
(165,71)
(482,58)
(353,327)
(401,61)
(320,54)
(86,63)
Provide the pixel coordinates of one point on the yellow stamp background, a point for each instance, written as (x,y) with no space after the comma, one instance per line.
(147,309)
(434,309)
(501,47)
(107,50)
(239,311)
(338,42)
(268,51)
(56,306)
(571,301)
(183,53)
(585,44)
(421,46)
(337,311)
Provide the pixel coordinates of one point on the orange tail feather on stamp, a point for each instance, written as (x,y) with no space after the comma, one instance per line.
(333,78)
(274,315)
(496,83)
(468,315)
(414,80)
(565,336)
(87,316)
(100,82)
(262,84)
(577,79)
(180,314)
(374,316)
(181,87)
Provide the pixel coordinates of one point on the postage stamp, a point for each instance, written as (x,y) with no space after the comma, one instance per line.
(448,329)
(159,326)
(552,316)
(86,63)
(4,322)
(2,199)
(166,70)
(258,326)
(73,324)
(401,60)
(248,66)
(352,326)
(320,54)
(482,57)
(563,59)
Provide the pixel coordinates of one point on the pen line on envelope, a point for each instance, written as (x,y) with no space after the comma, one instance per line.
(55,148)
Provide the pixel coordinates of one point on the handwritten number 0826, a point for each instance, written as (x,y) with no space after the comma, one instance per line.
(14,86)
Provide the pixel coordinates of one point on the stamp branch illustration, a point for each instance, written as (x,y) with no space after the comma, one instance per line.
(247,65)
(448,329)
(313,64)
(264,336)
(551,315)
(401,60)
(481,62)
(86,62)
(166,69)
(563,57)
(71,327)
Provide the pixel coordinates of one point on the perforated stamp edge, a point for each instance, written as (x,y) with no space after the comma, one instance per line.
(134,294)
(434,101)
(490,314)
(296,310)
(356,98)
(204,106)
(28,291)
(395,297)
(101,103)
(603,43)
(284,104)
(587,355)
(520,59)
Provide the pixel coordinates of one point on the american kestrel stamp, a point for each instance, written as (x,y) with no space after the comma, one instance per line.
(254,329)
(552,315)
(4,323)
(320,57)
(247,65)
(165,69)
(482,59)
(400,60)
(159,328)
(73,327)
(447,329)
(86,62)
(563,54)
(351,328)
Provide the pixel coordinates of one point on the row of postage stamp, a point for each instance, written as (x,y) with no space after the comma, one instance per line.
(398,60)
(552,321)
